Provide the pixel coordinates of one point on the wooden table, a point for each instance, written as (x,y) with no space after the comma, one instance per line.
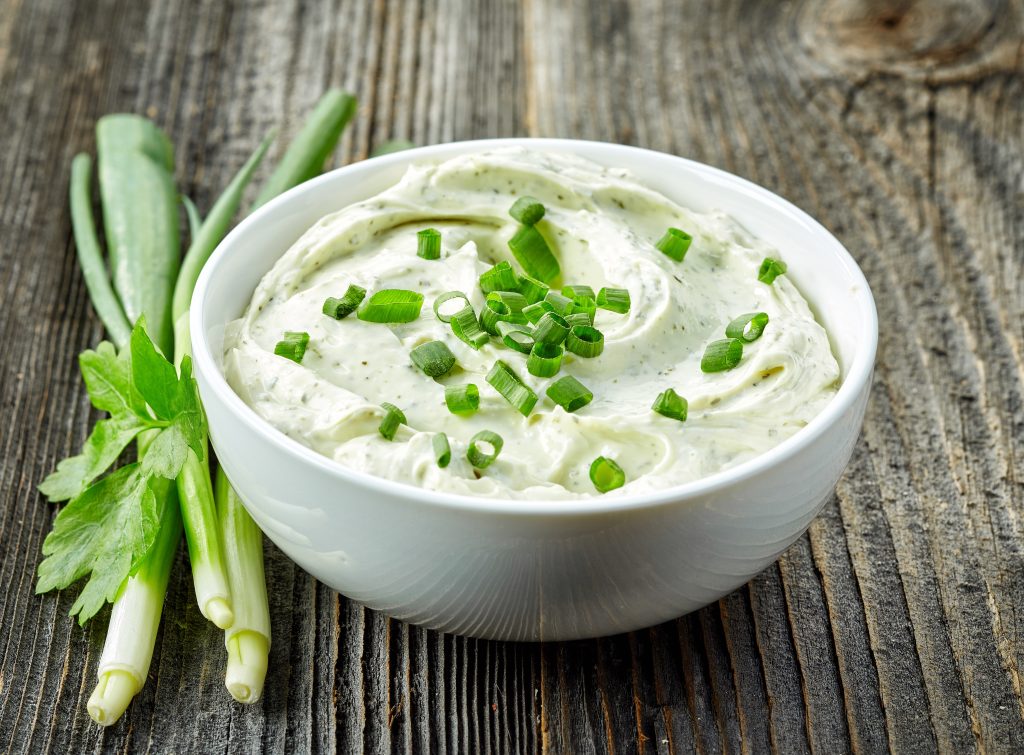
(891,624)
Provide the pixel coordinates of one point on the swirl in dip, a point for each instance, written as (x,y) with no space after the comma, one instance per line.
(602,226)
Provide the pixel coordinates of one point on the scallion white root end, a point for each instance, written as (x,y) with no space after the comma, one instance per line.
(247,666)
(110,699)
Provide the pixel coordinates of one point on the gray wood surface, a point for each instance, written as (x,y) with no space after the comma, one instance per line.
(891,624)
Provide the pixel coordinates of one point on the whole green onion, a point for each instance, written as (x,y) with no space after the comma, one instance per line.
(606,474)
(462,399)
(670,404)
(512,389)
(545,359)
(391,305)
(614,300)
(448,296)
(722,355)
(534,254)
(480,458)
(292,346)
(569,393)
(748,327)
(551,328)
(442,450)
(770,270)
(533,312)
(428,244)
(533,289)
(501,277)
(527,210)
(346,305)
(675,243)
(434,358)
(393,417)
(585,341)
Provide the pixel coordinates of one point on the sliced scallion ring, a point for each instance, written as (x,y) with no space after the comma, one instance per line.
(533,289)
(533,312)
(462,399)
(293,345)
(442,450)
(748,327)
(428,244)
(560,304)
(545,359)
(569,393)
(466,328)
(434,358)
(346,305)
(606,474)
(515,391)
(579,318)
(391,305)
(770,270)
(446,297)
(670,404)
(514,300)
(551,328)
(484,448)
(493,311)
(501,277)
(534,254)
(675,243)
(516,336)
(527,210)
(585,341)
(614,300)
(393,417)
(722,355)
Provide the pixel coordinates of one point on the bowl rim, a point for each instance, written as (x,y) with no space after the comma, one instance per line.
(858,373)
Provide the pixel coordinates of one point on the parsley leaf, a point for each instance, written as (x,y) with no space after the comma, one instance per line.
(102,448)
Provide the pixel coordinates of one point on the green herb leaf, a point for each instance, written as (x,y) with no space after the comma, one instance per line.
(109,437)
(152,375)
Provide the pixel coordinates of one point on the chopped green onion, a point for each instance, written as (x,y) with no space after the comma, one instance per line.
(583,299)
(534,254)
(527,210)
(493,311)
(579,318)
(770,270)
(442,450)
(748,327)
(514,300)
(346,305)
(585,341)
(614,300)
(292,346)
(533,289)
(501,277)
(393,417)
(722,355)
(428,244)
(391,305)
(512,389)
(462,399)
(572,292)
(551,329)
(447,296)
(670,404)
(516,336)
(545,359)
(477,455)
(606,474)
(533,312)
(569,393)
(466,327)
(434,358)
(675,243)
(560,304)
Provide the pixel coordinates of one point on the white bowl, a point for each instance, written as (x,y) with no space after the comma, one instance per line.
(535,570)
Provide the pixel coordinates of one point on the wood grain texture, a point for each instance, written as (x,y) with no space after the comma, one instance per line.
(891,625)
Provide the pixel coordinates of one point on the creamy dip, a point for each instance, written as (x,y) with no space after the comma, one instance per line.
(602,225)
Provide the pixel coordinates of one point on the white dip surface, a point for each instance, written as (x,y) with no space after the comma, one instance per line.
(602,226)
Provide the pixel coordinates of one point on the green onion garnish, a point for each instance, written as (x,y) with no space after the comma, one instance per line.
(346,305)
(560,304)
(534,254)
(670,404)
(493,311)
(579,318)
(462,399)
(516,336)
(533,312)
(428,244)
(393,417)
(442,450)
(748,327)
(545,359)
(478,455)
(501,277)
(466,328)
(292,346)
(770,270)
(569,393)
(572,292)
(514,300)
(614,300)
(551,329)
(606,474)
(512,389)
(722,355)
(583,299)
(434,358)
(675,243)
(527,210)
(448,296)
(585,341)
(533,289)
(391,305)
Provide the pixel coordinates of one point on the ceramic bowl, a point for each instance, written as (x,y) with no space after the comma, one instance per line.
(536,570)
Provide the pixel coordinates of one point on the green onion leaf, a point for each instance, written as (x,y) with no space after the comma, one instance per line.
(446,297)
(501,277)
(585,341)
(770,270)
(466,327)
(527,210)
(442,450)
(391,305)
(675,243)
(579,318)
(670,404)
(516,336)
(484,448)
(434,358)
(722,355)
(512,389)
(614,300)
(428,244)
(533,312)
(534,254)
(569,393)
(346,305)
(551,329)
(560,304)
(393,417)
(462,399)
(545,359)
(533,289)
(292,346)
(606,474)
(748,327)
